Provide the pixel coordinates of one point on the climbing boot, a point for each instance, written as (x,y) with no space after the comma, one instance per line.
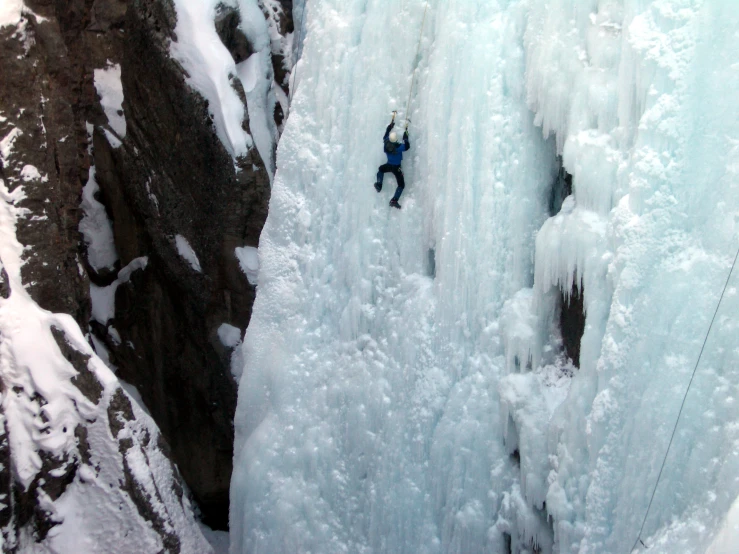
(378,187)
(394,204)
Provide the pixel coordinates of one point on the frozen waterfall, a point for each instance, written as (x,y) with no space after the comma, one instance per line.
(404,386)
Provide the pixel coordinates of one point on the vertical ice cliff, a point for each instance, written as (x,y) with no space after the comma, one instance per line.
(369,417)
(638,96)
(405,387)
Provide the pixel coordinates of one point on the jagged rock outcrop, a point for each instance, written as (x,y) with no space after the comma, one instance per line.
(164,177)
(38,126)
(81,465)
(171,181)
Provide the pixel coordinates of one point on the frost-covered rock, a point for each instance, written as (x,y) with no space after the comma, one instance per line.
(185,187)
(84,469)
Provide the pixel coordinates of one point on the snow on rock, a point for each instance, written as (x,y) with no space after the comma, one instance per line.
(110,90)
(257,70)
(31,173)
(113,140)
(87,467)
(187,253)
(103,298)
(12,12)
(248,257)
(96,228)
(229,335)
(6,144)
(211,70)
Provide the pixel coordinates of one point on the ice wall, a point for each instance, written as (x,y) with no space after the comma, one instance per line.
(368,417)
(404,388)
(638,96)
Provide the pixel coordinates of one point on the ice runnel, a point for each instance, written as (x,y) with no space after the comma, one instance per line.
(381,401)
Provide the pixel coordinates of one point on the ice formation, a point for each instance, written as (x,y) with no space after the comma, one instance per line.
(404,388)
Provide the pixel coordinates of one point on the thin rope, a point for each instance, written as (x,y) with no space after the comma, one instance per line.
(659,476)
(418,52)
(297,55)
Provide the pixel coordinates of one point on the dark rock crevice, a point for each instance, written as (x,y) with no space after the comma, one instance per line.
(572,322)
(572,312)
(561,189)
(227,26)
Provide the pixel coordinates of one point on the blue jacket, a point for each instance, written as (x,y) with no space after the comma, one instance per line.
(396,157)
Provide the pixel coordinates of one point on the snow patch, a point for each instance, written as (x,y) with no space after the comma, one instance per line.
(187,253)
(97,228)
(211,70)
(31,173)
(110,90)
(113,140)
(229,335)
(103,298)
(6,145)
(248,257)
(12,11)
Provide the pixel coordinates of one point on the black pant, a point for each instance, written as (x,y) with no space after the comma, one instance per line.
(395,170)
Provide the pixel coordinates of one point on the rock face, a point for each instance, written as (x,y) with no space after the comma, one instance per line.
(39,124)
(82,467)
(171,178)
(164,180)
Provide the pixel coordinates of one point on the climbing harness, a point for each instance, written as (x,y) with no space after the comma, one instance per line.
(413,79)
(679,413)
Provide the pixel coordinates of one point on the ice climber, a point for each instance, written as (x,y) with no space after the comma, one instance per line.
(394,150)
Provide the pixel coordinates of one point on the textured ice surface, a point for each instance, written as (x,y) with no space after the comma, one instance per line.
(369,418)
(638,95)
(403,389)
